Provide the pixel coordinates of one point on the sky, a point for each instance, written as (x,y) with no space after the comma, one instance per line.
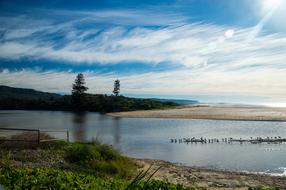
(207,50)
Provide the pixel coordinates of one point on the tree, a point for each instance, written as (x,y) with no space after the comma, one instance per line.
(116,87)
(78,92)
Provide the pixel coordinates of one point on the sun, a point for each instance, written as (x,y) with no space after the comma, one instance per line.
(268,5)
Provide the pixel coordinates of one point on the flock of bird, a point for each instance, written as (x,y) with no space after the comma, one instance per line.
(252,140)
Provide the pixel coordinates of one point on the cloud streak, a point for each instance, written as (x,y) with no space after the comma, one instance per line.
(269,83)
(190,44)
(213,63)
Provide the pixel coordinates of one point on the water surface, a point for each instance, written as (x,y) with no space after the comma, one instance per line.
(150,138)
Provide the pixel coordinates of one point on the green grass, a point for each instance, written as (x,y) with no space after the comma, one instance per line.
(90,158)
(47,178)
(101,158)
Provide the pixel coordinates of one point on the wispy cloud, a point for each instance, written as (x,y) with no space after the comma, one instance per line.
(216,59)
(193,44)
(251,82)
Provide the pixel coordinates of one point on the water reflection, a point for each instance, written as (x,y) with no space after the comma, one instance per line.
(117,130)
(79,126)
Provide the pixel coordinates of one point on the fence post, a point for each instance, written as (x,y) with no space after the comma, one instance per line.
(39,136)
(68,136)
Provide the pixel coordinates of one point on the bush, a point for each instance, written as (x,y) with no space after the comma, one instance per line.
(122,168)
(107,152)
(102,159)
(82,153)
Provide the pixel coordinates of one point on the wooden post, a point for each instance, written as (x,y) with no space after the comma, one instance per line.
(68,136)
(39,136)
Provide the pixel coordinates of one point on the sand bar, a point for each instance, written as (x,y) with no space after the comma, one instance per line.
(253,113)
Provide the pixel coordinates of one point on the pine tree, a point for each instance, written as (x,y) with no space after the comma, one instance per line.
(116,87)
(78,92)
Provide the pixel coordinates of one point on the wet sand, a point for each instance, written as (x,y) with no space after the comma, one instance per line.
(251,113)
(210,179)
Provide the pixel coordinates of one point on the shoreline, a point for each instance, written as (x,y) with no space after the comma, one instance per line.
(57,155)
(234,113)
(209,178)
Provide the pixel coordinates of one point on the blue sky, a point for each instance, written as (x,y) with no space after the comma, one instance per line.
(210,50)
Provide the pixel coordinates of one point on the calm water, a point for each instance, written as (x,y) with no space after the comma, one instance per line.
(150,138)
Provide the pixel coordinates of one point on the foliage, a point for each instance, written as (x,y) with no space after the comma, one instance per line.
(97,103)
(78,92)
(100,158)
(92,158)
(46,178)
(116,89)
(78,86)
(82,154)
(104,103)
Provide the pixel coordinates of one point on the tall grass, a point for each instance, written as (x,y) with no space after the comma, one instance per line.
(101,158)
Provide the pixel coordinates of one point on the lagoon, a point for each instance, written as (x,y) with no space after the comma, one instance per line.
(150,138)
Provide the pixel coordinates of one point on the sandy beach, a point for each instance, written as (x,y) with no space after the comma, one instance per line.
(207,178)
(254,113)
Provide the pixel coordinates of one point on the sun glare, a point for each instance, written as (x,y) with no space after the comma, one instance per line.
(268,5)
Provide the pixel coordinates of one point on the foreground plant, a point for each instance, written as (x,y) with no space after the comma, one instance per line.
(47,178)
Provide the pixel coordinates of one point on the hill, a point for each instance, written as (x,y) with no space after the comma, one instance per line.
(11,92)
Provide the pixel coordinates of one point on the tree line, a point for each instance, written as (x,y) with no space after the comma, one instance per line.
(79,100)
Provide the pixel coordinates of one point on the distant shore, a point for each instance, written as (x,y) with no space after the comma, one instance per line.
(208,178)
(245,113)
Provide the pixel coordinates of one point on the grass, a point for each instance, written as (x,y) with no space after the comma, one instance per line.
(101,158)
(90,158)
(47,178)
(61,165)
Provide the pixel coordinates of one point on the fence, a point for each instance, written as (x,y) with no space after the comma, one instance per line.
(36,137)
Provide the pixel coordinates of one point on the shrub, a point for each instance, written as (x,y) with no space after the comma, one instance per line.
(102,159)
(107,152)
(82,153)
(121,168)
